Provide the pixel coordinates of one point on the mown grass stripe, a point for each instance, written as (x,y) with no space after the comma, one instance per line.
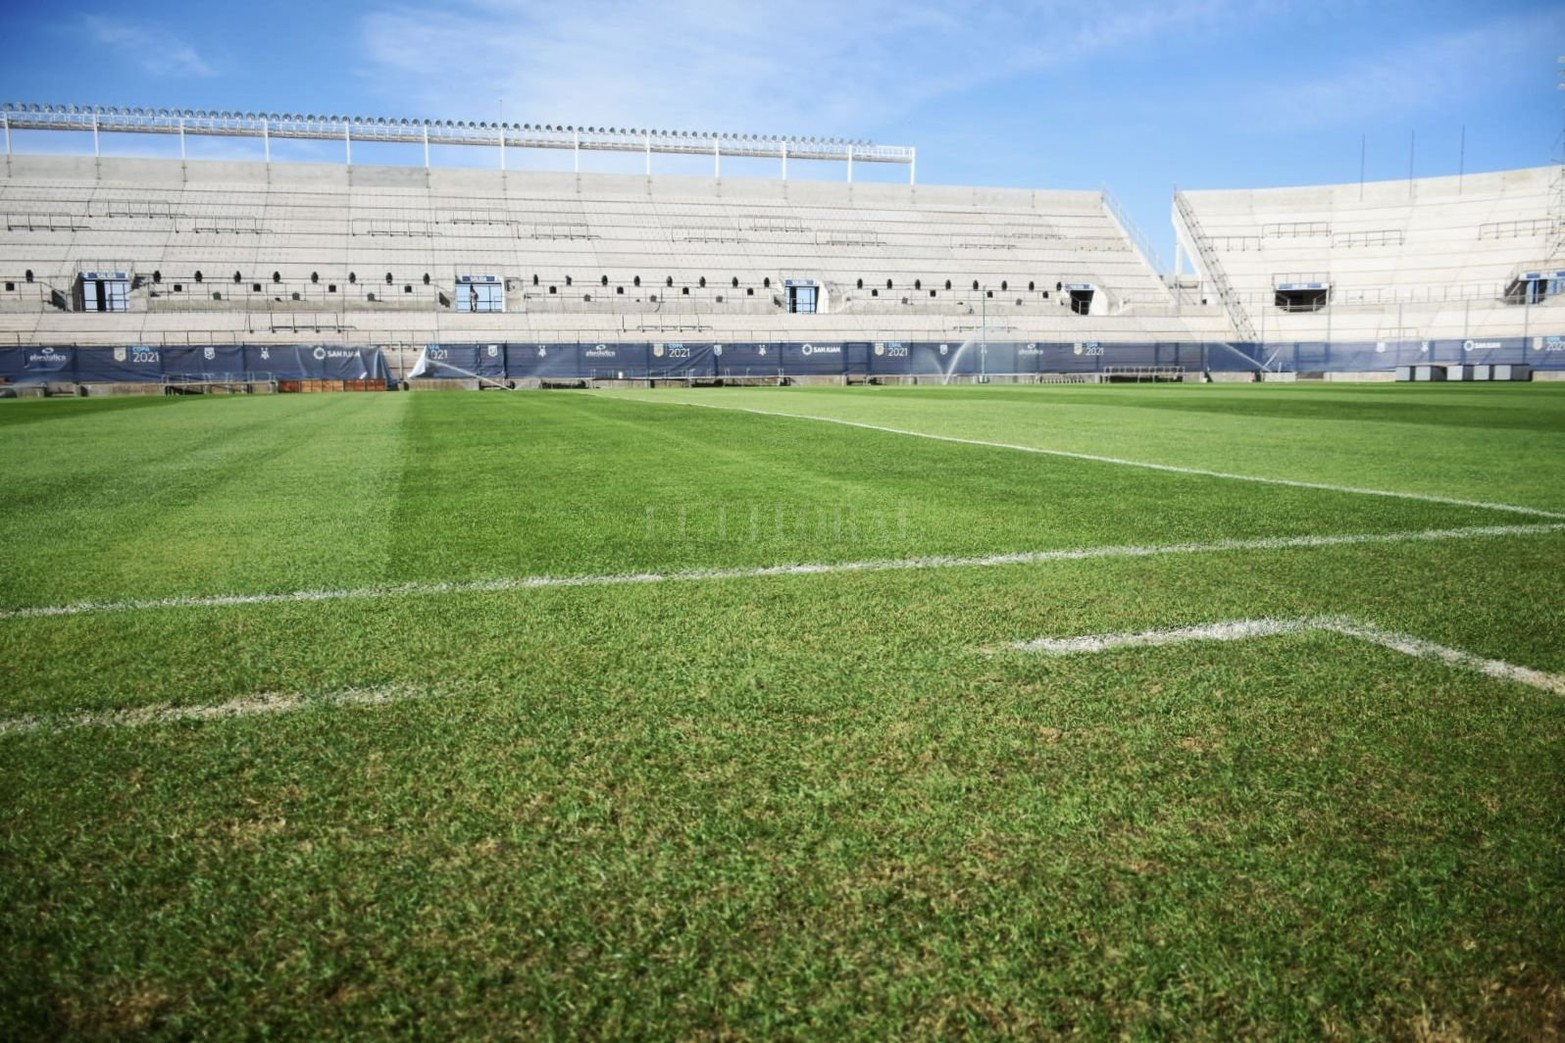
(416,589)
(1146,464)
(1231,630)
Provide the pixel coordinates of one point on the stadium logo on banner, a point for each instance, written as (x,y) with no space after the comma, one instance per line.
(320,354)
(880,348)
(47,358)
(209,353)
(494,350)
(119,354)
(657,351)
(543,352)
(944,348)
(266,354)
(763,350)
(717,349)
(809,349)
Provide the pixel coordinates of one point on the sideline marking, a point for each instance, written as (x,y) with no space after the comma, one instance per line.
(1266,543)
(1246,629)
(163,713)
(1172,468)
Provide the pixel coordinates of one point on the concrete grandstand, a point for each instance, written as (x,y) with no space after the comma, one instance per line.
(525,277)
(1397,269)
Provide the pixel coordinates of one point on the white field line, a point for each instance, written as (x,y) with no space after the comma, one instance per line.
(1246,629)
(163,713)
(1147,465)
(1237,630)
(1266,543)
(1421,649)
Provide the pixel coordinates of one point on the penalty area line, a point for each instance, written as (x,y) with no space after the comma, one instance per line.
(164,713)
(1265,543)
(1248,629)
(1295,483)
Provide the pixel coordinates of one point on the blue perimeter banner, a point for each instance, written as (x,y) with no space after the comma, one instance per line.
(934,361)
(140,364)
(677,360)
(942,360)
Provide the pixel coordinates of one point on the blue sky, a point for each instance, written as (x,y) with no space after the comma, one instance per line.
(1137,96)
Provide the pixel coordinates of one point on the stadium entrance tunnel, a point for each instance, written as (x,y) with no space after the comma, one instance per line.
(1081,294)
(1534,287)
(1302,296)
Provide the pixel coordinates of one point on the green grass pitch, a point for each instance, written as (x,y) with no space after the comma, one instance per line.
(489,715)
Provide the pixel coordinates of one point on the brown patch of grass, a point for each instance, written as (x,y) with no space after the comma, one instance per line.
(1532,1009)
(1200,744)
(132,1008)
(1426,1028)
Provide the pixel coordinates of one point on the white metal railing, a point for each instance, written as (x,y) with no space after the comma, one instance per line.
(1133,232)
(111,119)
(1214,268)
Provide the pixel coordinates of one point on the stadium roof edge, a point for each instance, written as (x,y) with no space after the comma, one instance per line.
(102,119)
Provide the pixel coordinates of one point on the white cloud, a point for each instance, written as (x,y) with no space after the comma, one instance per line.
(821,66)
(157,51)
